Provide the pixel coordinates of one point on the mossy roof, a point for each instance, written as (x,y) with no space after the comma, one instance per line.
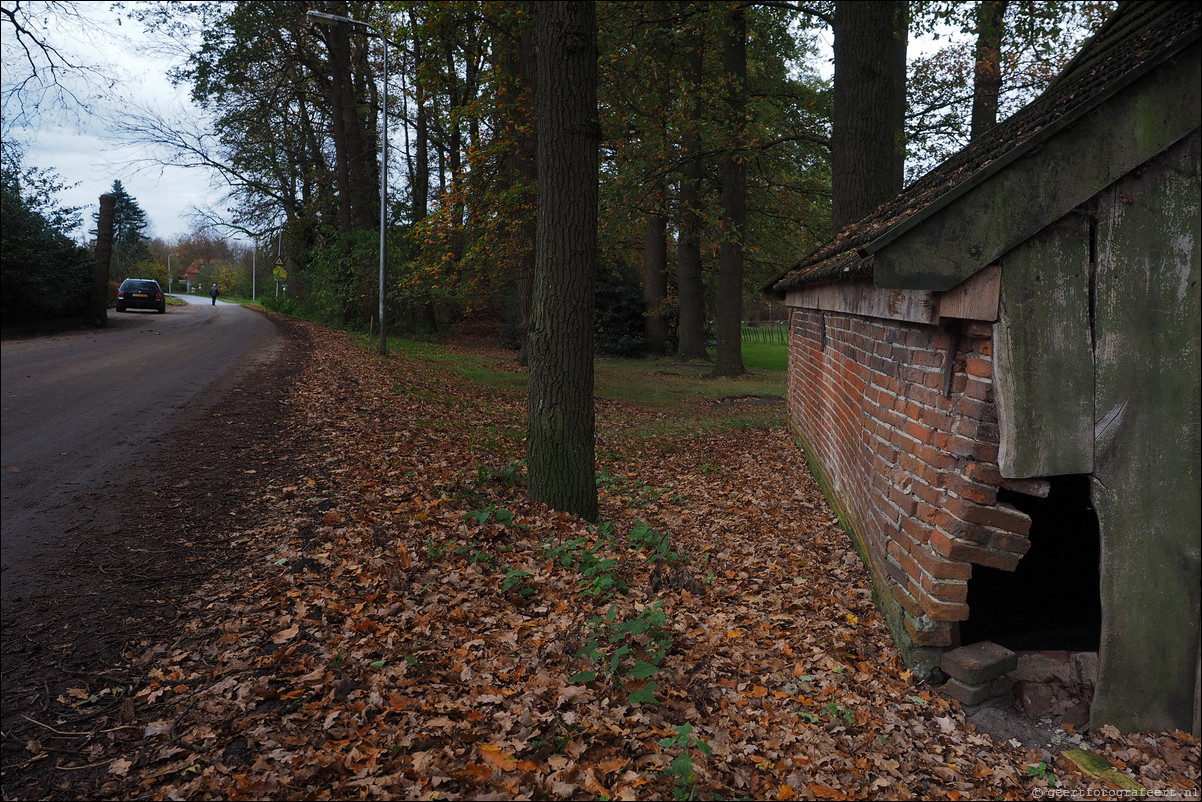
(1137,37)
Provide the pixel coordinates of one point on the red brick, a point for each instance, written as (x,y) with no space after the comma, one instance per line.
(976,366)
(902,596)
(964,447)
(906,505)
(930,633)
(903,559)
(945,590)
(937,609)
(939,567)
(936,457)
(998,516)
(963,551)
(968,427)
(917,528)
(927,359)
(938,419)
(978,389)
(896,572)
(953,525)
(931,495)
(987,452)
(982,472)
(1008,541)
(971,491)
(973,408)
(979,329)
(931,395)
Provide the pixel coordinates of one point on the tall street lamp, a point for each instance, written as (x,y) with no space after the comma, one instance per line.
(334,19)
(170,275)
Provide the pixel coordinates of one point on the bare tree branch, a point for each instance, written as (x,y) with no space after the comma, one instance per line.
(41,77)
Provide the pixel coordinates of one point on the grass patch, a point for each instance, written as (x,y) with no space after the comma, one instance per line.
(686,398)
(663,384)
(766,356)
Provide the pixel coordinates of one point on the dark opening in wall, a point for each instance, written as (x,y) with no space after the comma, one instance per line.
(1053,599)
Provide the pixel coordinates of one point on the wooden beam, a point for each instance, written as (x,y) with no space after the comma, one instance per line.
(862,298)
(975,298)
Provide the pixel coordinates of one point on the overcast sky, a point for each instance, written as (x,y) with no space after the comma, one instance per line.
(78,145)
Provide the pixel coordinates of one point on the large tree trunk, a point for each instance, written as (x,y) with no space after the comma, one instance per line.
(98,302)
(421,167)
(355,159)
(655,280)
(455,155)
(522,165)
(867,133)
(340,67)
(987,78)
(655,233)
(560,417)
(689,287)
(365,138)
(729,359)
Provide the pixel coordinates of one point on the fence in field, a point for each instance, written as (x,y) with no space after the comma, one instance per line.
(770,332)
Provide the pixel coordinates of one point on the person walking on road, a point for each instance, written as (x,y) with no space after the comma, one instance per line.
(213,294)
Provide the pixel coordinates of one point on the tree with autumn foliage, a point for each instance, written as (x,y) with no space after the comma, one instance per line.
(294,134)
(671,120)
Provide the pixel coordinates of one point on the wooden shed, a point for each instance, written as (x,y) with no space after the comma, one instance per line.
(996,377)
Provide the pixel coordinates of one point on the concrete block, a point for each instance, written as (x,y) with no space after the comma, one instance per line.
(976,694)
(1047,666)
(979,663)
(1086,666)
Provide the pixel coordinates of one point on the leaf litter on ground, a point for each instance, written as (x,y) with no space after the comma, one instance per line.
(410,626)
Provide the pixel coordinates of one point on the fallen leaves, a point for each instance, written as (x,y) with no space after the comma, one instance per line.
(409,626)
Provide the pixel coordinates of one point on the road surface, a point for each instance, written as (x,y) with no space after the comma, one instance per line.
(80,410)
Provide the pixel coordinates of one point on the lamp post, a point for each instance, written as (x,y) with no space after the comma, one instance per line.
(334,19)
(170,275)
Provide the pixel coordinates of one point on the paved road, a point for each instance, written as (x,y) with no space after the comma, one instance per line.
(81,409)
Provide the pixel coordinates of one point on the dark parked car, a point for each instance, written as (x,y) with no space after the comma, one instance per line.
(141,293)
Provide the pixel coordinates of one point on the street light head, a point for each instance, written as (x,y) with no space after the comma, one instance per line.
(334,19)
(323,18)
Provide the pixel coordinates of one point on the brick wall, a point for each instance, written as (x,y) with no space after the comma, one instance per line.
(913,473)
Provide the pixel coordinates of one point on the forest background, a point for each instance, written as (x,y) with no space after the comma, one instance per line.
(291,127)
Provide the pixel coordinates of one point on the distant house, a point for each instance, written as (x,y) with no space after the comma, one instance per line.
(192,271)
(996,378)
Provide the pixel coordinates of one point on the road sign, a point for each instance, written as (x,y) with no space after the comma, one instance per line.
(278,270)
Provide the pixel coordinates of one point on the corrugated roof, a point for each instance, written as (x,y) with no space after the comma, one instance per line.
(1137,37)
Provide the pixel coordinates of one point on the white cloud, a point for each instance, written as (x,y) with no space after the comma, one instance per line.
(77,143)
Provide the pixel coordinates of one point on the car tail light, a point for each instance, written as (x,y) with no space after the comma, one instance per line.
(120,293)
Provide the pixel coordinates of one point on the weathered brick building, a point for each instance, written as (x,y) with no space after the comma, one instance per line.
(996,377)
